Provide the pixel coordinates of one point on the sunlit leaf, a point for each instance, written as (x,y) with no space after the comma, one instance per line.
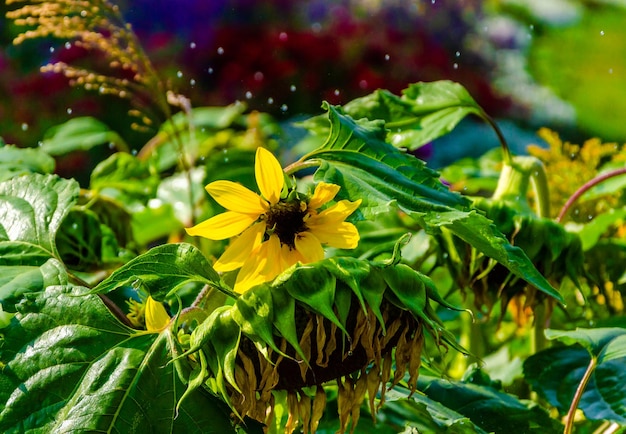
(32,208)
(82,133)
(16,161)
(424,112)
(162,270)
(78,369)
(356,158)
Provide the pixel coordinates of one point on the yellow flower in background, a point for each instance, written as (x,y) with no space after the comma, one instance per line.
(274,232)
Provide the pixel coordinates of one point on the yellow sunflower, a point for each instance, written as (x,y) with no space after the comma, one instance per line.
(275,229)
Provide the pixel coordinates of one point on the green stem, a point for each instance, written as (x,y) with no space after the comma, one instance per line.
(515,179)
(301,165)
(569,418)
(506,152)
(586,187)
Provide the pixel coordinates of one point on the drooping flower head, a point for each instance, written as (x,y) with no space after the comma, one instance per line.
(277,228)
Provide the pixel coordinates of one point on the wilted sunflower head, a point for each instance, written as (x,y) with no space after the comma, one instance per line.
(277,228)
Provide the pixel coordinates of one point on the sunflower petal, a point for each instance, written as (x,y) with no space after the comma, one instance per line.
(236,197)
(262,266)
(269,175)
(156,315)
(309,247)
(250,273)
(239,250)
(342,235)
(323,193)
(222,226)
(338,212)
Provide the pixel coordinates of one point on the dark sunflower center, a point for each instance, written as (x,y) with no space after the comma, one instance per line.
(286,219)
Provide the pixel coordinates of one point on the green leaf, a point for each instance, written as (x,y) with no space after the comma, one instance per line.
(489,408)
(17,280)
(16,161)
(162,270)
(604,343)
(555,374)
(479,232)
(424,414)
(126,175)
(356,157)
(32,208)
(591,232)
(195,133)
(79,134)
(423,113)
(78,369)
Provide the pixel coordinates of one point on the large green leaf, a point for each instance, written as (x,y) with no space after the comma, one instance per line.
(424,414)
(70,366)
(20,161)
(489,408)
(162,270)
(17,280)
(556,373)
(356,157)
(82,133)
(32,208)
(424,112)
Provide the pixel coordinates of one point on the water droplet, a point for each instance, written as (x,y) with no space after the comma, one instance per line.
(226,160)
(336,92)
(270,100)
(282,37)
(210,70)
(455,65)
(74,225)
(350,353)
(531,27)
(387,57)
(111,145)
(40,143)
(284,108)
(220,51)
(179,74)
(610,70)
(457,54)
(432,2)
(68,45)
(248,95)
(292,88)
(24,126)
(133,152)
(316,27)
(258,76)
(419,100)
(192,45)
(601,32)
(589,217)
(576,211)
(52,49)
(83,14)
(363,84)
(192,82)
(445,255)
(69,110)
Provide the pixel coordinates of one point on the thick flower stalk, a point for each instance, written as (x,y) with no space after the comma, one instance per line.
(276,229)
